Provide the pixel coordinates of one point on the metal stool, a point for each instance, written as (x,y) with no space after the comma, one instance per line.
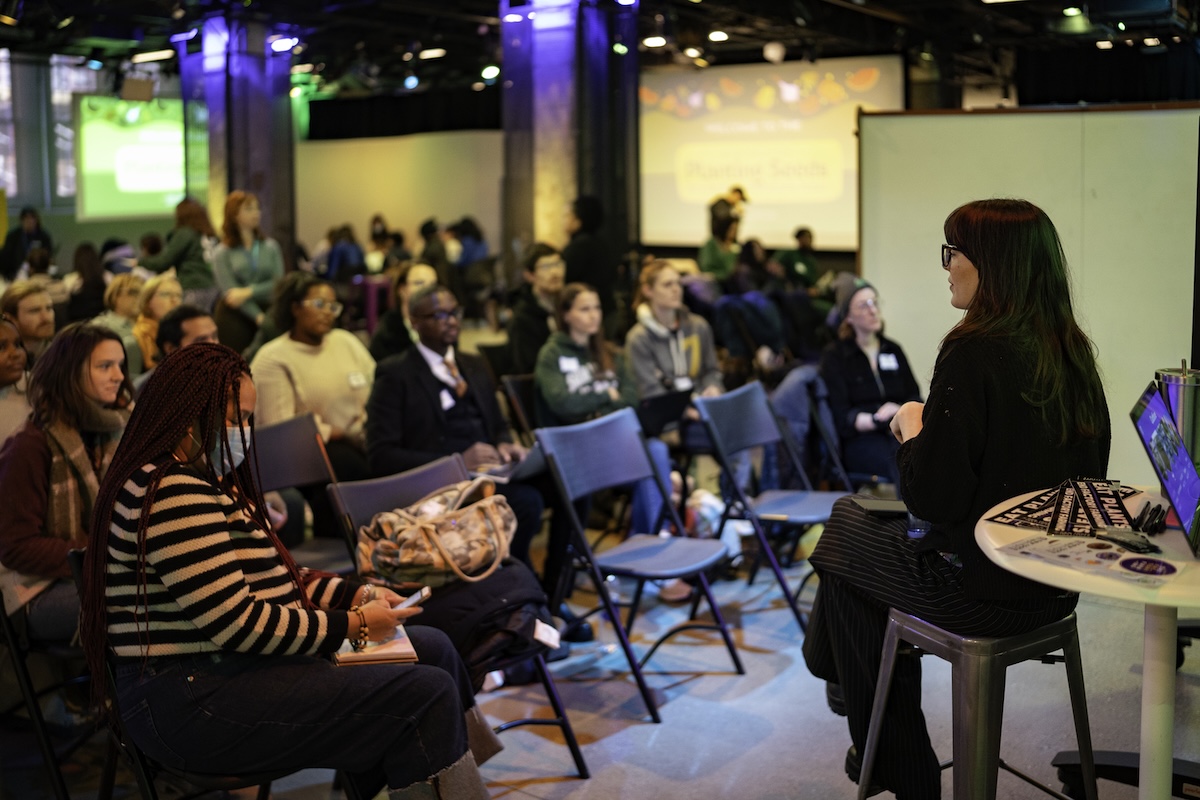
(979,666)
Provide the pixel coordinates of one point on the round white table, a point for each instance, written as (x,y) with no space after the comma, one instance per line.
(1159,638)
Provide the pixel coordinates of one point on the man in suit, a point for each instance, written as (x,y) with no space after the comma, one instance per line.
(432,400)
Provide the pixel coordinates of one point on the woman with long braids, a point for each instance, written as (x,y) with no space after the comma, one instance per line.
(1015,404)
(221,643)
(50,473)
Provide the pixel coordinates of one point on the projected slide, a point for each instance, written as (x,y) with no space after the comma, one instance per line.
(129,157)
(784,132)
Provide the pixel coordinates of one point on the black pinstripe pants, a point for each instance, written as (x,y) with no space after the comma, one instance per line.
(868,564)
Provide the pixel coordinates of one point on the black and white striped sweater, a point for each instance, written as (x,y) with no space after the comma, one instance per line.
(213,579)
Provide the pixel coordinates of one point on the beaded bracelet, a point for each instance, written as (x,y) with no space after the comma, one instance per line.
(360,641)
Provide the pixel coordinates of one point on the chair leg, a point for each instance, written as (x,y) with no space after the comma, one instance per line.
(264,791)
(33,706)
(978,692)
(769,555)
(560,713)
(720,620)
(623,638)
(1083,731)
(883,686)
(108,778)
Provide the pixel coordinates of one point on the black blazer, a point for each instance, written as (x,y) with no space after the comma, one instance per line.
(406,426)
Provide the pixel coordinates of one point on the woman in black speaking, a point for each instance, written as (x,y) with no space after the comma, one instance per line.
(1015,404)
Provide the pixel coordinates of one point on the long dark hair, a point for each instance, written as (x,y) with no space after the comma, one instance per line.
(598,348)
(56,383)
(292,288)
(188,390)
(1024,294)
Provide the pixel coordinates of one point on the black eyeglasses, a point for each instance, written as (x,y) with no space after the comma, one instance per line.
(444,316)
(947,250)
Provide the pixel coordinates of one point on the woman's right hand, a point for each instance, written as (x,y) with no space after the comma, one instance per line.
(382,620)
(236,297)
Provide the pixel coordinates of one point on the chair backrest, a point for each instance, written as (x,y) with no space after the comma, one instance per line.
(498,358)
(739,419)
(599,454)
(521,391)
(291,453)
(357,502)
(822,420)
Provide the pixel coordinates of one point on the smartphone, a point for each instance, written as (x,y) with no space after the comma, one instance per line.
(1132,541)
(414,599)
(880,507)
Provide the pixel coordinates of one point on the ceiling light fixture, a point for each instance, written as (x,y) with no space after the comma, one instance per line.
(432,52)
(692,52)
(1151,41)
(620,49)
(1104,44)
(284,43)
(654,41)
(10,12)
(1072,11)
(718,36)
(513,18)
(490,72)
(152,55)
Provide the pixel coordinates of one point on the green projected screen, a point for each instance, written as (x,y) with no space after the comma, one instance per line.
(129,157)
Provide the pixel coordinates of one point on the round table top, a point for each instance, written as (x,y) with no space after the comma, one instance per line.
(1106,574)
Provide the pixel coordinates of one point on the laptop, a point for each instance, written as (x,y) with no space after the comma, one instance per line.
(1172,462)
(534,463)
(658,412)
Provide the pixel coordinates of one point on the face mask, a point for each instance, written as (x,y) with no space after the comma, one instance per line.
(237,450)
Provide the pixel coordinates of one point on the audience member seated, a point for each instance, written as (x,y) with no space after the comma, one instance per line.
(433,253)
(37,268)
(346,257)
(580,376)
(179,327)
(190,246)
(14,387)
(1015,404)
(800,265)
(245,266)
(394,334)
(316,367)
(27,234)
(434,400)
(50,471)
(86,285)
(121,311)
(220,643)
(868,378)
(28,304)
(533,318)
(158,296)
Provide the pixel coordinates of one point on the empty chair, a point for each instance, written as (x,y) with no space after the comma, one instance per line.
(357,501)
(291,453)
(743,419)
(610,452)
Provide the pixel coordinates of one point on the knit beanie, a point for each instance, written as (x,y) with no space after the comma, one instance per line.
(845,290)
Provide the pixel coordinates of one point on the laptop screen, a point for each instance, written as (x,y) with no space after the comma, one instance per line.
(1171,460)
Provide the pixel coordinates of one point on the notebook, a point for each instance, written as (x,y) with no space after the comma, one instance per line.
(1171,460)
(534,463)
(656,413)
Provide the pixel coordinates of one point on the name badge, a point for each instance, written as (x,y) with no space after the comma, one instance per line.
(683,384)
(889,361)
(568,363)
(447,400)
(358,380)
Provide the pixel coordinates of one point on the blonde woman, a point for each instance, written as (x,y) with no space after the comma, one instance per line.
(121,311)
(158,296)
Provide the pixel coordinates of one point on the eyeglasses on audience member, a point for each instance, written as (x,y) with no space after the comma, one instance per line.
(321,304)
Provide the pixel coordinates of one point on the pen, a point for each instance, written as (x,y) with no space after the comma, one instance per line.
(1139,521)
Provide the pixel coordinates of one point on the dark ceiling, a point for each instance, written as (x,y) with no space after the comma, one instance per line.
(367,47)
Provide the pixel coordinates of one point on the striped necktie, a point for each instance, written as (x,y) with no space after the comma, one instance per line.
(460,386)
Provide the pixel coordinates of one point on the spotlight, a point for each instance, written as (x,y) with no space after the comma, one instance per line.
(490,72)
(411,81)
(654,41)
(692,52)
(10,11)
(1104,44)
(620,49)
(152,55)
(284,43)
(718,36)
(432,52)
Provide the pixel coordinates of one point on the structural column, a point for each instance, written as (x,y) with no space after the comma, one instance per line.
(238,123)
(570,118)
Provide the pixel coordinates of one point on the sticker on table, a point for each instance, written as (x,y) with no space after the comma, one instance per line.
(1149,566)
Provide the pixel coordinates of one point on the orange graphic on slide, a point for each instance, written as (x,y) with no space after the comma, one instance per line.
(862,80)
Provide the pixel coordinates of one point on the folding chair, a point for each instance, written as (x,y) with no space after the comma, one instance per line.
(742,419)
(357,501)
(610,452)
(146,769)
(521,393)
(831,451)
(19,650)
(498,358)
(291,453)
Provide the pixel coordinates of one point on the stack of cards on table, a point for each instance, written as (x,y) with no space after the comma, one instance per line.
(1079,507)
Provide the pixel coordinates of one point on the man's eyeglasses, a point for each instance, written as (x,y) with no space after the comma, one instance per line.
(947,251)
(444,316)
(321,304)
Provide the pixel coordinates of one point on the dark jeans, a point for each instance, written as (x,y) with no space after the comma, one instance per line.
(384,724)
(53,615)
